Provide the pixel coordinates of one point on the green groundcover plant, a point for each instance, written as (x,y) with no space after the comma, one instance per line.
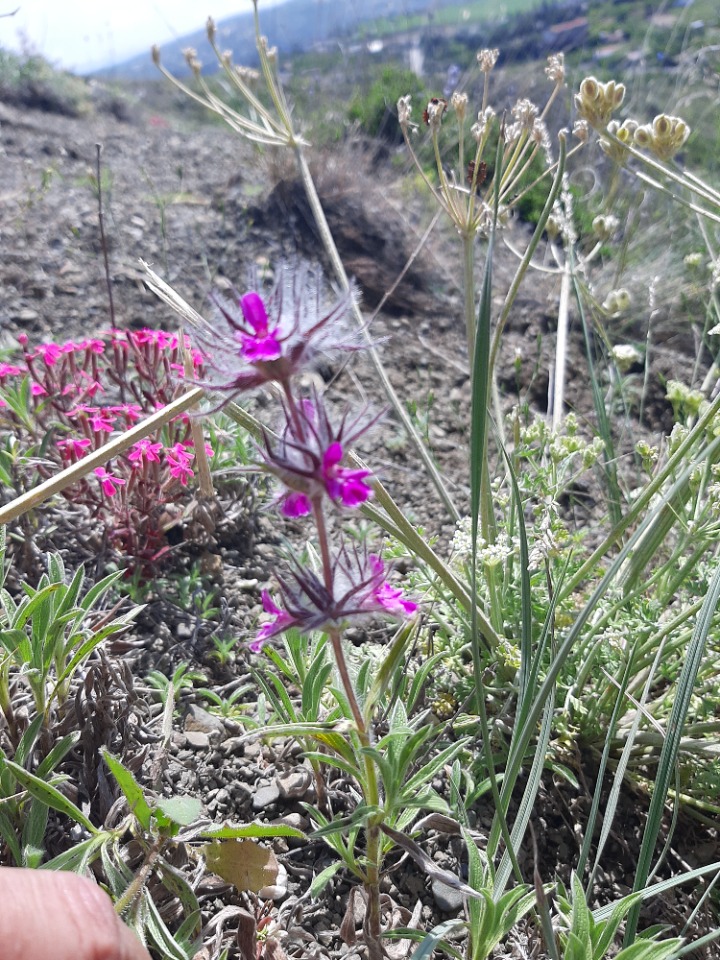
(523,646)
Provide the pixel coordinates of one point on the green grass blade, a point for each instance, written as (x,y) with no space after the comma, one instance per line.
(669,753)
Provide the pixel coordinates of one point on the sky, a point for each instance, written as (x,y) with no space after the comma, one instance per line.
(81,35)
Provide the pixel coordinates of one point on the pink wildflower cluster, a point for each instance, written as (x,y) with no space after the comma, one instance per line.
(84,393)
(274,337)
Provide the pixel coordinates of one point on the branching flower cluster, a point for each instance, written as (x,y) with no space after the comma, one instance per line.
(272,338)
(63,401)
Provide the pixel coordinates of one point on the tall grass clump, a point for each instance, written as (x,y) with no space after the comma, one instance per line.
(530,650)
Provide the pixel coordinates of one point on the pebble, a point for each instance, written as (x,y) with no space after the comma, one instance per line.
(294,784)
(278,889)
(234,746)
(447,898)
(201,721)
(197,740)
(265,796)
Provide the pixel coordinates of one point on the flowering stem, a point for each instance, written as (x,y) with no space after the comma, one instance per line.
(337,264)
(371,784)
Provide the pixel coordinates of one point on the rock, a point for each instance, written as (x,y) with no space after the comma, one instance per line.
(295,784)
(278,889)
(197,740)
(265,796)
(234,746)
(295,820)
(447,898)
(200,721)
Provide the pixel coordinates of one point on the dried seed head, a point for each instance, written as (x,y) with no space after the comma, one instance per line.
(487,59)
(668,136)
(553,227)
(555,70)
(434,111)
(625,356)
(155,54)
(581,130)
(247,74)
(226,58)
(211,30)
(479,129)
(459,102)
(617,301)
(644,137)
(525,113)
(404,110)
(270,52)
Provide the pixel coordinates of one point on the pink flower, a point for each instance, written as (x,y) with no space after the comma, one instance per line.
(389,598)
(281,621)
(73,448)
(275,336)
(308,457)
(92,345)
(50,352)
(359,591)
(38,390)
(158,338)
(131,411)
(178,459)
(108,482)
(102,421)
(145,449)
(10,370)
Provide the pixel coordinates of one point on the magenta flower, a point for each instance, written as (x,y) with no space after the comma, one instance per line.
(145,449)
(308,458)
(10,370)
(158,338)
(73,448)
(178,460)
(50,352)
(108,482)
(273,337)
(359,592)
(38,390)
(272,627)
(131,411)
(101,420)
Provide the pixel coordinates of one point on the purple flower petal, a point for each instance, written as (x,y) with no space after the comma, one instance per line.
(254,311)
(296,505)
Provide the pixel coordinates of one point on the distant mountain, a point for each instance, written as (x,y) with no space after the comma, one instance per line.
(292,27)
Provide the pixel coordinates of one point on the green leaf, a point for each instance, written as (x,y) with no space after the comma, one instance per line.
(180,810)
(580,920)
(642,950)
(48,794)
(7,832)
(436,937)
(255,831)
(321,880)
(78,858)
(132,791)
